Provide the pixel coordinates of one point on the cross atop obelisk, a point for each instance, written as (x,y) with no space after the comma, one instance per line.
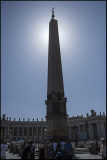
(53,13)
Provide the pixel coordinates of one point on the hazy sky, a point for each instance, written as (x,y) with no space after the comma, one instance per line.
(24,56)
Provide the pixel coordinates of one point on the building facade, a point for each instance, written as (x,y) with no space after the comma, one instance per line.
(80,128)
(92,127)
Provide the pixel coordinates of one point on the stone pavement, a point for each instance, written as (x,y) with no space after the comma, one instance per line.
(76,156)
(87,156)
(14,156)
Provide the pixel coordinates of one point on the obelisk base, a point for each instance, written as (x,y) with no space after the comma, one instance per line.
(56,119)
(57,127)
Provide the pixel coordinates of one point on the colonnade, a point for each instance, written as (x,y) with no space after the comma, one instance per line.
(81,131)
(90,132)
(33,133)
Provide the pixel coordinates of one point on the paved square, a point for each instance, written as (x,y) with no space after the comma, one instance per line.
(76,156)
(87,156)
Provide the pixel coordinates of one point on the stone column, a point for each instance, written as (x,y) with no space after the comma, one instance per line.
(46,132)
(85,134)
(93,131)
(5,133)
(74,133)
(70,132)
(27,133)
(103,130)
(32,135)
(87,130)
(17,132)
(41,133)
(2,136)
(12,134)
(98,131)
(37,133)
(22,132)
(79,137)
(90,133)
(8,131)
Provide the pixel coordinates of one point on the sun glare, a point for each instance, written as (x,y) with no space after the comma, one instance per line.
(39,35)
(44,35)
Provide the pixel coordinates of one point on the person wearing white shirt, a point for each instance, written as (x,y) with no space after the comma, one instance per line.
(62,145)
(54,148)
(4,149)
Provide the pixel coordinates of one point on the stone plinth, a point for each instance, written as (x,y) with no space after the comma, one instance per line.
(57,127)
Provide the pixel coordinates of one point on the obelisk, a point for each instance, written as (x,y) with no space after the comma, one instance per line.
(56,102)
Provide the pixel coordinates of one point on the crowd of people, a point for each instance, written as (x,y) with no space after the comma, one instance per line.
(56,150)
(48,149)
(28,151)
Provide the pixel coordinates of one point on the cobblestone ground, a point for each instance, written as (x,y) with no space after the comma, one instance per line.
(14,156)
(87,156)
(76,156)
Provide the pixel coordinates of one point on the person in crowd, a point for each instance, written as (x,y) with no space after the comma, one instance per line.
(97,146)
(33,151)
(46,149)
(62,143)
(23,145)
(4,149)
(50,150)
(54,148)
(41,151)
(27,153)
(103,148)
(58,151)
(68,149)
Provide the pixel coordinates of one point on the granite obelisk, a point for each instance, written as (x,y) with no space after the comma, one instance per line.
(56,102)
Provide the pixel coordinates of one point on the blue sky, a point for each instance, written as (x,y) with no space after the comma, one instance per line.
(24,56)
